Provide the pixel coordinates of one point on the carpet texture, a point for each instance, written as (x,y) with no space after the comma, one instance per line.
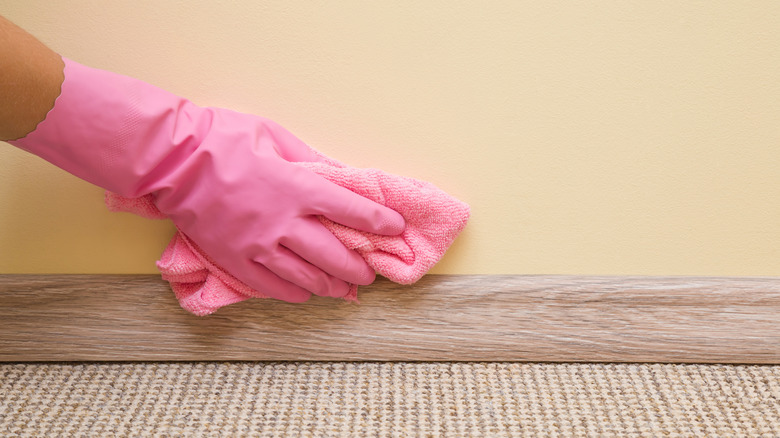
(388,399)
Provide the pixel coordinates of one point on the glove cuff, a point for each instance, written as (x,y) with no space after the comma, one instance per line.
(115,131)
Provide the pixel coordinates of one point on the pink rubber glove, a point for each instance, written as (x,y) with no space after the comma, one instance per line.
(224,178)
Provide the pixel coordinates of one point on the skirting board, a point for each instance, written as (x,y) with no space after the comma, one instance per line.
(441,318)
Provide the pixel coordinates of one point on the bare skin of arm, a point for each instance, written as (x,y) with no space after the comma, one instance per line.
(31,75)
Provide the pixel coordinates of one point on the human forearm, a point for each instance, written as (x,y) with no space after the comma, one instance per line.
(30,78)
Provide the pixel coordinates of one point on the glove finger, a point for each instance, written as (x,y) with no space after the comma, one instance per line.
(263,280)
(315,244)
(352,210)
(290,267)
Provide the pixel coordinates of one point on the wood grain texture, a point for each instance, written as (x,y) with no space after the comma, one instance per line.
(441,318)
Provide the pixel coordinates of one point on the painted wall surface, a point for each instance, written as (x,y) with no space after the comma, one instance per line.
(607,137)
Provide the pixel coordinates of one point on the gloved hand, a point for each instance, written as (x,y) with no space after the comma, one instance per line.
(226,180)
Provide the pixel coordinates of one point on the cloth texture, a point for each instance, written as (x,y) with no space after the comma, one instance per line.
(391,399)
(433,221)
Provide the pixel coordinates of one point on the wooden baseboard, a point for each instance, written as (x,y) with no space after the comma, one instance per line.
(441,318)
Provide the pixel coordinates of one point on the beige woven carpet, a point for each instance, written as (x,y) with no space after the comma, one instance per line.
(388,399)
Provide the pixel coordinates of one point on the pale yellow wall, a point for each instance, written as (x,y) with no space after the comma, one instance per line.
(589,137)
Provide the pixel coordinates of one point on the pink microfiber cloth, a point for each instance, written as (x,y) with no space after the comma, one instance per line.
(433,220)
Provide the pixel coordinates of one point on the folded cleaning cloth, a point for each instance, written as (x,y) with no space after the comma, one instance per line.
(433,221)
